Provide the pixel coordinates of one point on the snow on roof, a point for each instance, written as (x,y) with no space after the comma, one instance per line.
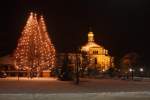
(90,45)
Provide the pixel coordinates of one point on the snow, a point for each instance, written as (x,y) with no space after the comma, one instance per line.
(52,85)
(88,89)
(79,96)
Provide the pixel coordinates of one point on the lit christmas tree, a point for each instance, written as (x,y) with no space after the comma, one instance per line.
(35,50)
(49,48)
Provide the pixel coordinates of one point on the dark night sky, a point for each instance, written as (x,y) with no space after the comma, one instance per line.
(119,25)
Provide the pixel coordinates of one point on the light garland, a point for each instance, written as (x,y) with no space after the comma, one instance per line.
(35,49)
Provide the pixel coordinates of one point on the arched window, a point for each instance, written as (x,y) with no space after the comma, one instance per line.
(95,52)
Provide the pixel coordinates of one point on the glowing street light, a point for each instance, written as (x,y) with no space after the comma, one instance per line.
(131,70)
(141,69)
(103,70)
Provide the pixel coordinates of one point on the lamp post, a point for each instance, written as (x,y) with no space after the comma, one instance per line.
(141,71)
(131,71)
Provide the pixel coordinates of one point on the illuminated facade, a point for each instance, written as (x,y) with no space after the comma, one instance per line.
(98,55)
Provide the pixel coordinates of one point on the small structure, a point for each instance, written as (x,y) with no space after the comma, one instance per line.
(7,63)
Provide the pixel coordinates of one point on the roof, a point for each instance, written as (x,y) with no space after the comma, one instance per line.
(90,45)
(7,60)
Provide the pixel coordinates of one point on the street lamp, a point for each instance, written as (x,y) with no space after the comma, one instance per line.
(131,71)
(141,71)
(103,70)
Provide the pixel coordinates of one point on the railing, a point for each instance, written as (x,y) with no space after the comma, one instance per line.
(21,73)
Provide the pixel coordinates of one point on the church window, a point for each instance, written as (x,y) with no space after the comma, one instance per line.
(95,52)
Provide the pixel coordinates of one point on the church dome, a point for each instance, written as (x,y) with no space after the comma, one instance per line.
(91,43)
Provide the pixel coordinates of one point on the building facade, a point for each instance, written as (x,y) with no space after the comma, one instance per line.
(98,56)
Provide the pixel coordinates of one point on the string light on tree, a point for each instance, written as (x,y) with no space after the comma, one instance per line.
(35,49)
(49,48)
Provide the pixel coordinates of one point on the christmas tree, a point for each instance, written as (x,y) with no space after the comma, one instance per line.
(35,50)
(48,46)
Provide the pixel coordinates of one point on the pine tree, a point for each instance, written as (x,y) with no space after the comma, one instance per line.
(49,47)
(35,50)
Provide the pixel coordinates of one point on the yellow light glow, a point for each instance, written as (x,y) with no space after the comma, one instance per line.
(94,50)
(35,48)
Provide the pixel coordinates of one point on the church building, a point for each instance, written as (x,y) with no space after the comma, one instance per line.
(98,56)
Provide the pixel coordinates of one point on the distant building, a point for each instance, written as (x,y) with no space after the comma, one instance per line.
(98,55)
(7,63)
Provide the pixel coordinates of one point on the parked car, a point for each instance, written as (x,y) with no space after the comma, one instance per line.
(3,74)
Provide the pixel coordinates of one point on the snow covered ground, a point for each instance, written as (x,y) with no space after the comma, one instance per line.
(52,85)
(79,96)
(88,89)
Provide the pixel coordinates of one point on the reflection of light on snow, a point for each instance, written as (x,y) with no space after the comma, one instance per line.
(126,94)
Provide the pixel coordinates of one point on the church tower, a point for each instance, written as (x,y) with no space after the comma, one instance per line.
(90,35)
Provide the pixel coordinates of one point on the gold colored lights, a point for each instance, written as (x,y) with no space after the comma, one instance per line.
(35,49)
